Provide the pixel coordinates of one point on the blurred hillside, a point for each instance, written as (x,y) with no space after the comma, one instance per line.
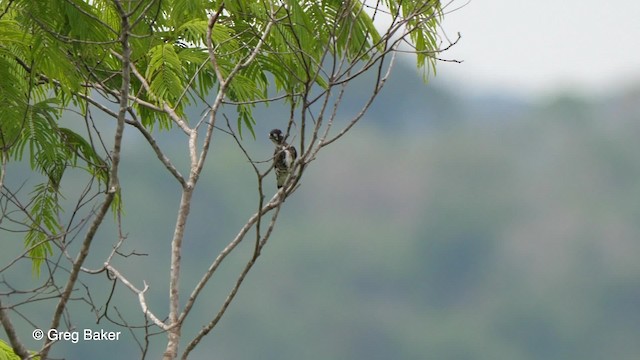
(445,226)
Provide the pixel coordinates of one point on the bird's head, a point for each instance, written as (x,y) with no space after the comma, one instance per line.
(276,136)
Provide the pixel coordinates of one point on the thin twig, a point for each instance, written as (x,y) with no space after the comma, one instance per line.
(207,328)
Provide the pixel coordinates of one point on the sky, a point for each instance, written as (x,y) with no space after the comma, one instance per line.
(538,48)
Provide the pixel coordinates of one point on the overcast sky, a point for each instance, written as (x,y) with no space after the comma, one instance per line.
(545,46)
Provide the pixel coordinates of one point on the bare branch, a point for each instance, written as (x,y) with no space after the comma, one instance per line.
(113,180)
(275,201)
(164,159)
(206,329)
(4,158)
(141,297)
(16,343)
(212,54)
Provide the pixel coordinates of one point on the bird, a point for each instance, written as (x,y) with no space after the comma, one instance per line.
(283,157)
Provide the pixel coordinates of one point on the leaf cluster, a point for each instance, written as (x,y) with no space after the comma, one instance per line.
(61,55)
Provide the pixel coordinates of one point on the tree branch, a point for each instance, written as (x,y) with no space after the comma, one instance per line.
(17,345)
(206,329)
(140,294)
(113,180)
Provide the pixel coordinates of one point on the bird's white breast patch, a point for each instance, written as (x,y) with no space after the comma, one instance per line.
(288,159)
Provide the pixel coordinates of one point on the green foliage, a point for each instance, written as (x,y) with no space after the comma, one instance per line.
(163,73)
(427,15)
(6,352)
(57,53)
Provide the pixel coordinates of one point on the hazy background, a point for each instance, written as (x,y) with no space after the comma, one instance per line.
(492,214)
(535,48)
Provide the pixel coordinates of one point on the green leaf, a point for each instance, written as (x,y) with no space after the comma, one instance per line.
(194,31)
(6,352)
(165,72)
(79,147)
(43,224)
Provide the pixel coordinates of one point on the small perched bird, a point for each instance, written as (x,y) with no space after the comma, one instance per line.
(283,157)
